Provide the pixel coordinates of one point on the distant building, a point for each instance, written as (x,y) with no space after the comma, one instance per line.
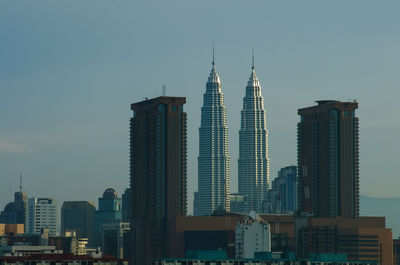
(360,239)
(213,160)
(328,166)
(109,211)
(158,175)
(252,235)
(396,251)
(42,213)
(253,162)
(282,195)
(69,243)
(127,206)
(26,250)
(50,259)
(11,229)
(237,202)
(77,216)
(219,257)
(116,239)
(15,212)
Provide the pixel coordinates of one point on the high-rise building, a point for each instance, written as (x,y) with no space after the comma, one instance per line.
(116,240)
(213,161)
(158,174)
(327,139)
(109,211)
(237,203)
(253,163)
(127,206)
(42,213)
(16,212)
(77,216)
(282,195)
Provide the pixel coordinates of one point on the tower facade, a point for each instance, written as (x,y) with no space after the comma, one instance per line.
(110,211)
(16,212)
(158,175)
(77,216)
(213,161)
(282,195)
(253,163)
(42,213)
(328,168)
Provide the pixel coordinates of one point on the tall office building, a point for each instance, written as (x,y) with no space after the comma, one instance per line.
(77,216)
(253,163)
(127,205)
(213,161)
(116,240)
(42,213)
(158,175)
(327,139)
(283,193)
(16,212)
(110,211)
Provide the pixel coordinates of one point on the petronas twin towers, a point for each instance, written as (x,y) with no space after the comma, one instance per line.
(213,161)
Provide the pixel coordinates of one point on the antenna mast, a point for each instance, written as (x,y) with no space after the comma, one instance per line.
(20,182)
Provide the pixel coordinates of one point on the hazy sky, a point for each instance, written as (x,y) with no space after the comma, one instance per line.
(70,69)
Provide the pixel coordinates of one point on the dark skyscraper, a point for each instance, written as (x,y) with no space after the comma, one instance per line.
(78,216)
(157,174)
(328,183)
(127,205)
(16,212)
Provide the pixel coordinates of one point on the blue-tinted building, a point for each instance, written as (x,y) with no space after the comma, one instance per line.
(283,194)
(109,211)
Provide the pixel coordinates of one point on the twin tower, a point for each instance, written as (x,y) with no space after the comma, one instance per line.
(213,161)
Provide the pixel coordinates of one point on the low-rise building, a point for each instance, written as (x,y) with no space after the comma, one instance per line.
(260,258)
(26,250)
(59,259)
(253,234)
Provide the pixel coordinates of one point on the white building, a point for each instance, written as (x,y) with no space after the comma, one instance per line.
(253,163)
(42,213)
(26,250)
(213,160)
(252,235)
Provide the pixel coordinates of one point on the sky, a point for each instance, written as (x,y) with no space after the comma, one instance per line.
(69,71)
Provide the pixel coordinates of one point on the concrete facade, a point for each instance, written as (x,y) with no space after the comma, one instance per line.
(77,216)
(253,234)
(42,213)
(328,159)
(158,175)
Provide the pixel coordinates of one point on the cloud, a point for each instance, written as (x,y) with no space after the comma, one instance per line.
(7,146)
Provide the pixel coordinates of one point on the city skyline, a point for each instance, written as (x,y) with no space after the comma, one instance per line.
(69,94)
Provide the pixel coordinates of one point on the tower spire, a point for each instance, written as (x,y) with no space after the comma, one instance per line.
(252,57)
(213,61)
